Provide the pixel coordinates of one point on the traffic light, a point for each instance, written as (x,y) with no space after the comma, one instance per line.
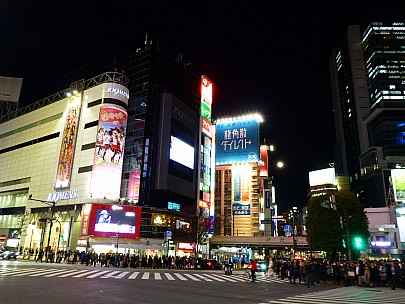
(358,242)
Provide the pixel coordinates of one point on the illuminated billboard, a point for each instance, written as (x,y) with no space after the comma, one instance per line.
(398,181)
(108,155)
(136,160)
(206,98)
(264,160)
(322,177)
(68,144)
(241,180)
(400,214)
(237,141)
(108,220)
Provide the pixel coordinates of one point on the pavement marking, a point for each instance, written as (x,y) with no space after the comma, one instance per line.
(351,295)
(213,277)
(203,278)
(37,273)
(84,274)
(169,276)
(145,276)
(158,276)
(110,274)
(180,276)
(133,275)
(73,272)
(192,277)
(58,273)
(98,273)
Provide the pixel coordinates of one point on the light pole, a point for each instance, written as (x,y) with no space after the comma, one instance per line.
(52,205)
(209,245)
(328,204)
(118,241)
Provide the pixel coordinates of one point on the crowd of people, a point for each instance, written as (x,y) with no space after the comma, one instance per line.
(363,273)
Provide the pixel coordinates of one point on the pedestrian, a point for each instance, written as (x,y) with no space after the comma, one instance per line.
(309,273)
(253,268)
(395,271)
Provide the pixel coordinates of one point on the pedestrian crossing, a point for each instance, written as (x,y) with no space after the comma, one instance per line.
(351,294)
(130,274)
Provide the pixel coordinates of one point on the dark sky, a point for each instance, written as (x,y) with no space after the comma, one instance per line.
(262,56)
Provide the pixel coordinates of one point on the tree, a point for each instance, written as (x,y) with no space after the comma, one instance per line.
(326,227)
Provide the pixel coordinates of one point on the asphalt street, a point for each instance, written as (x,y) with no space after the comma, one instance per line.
(30,282)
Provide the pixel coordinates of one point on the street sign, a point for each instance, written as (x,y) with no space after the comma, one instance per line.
(169,233)
(287,228)
(278,217)
(266,221)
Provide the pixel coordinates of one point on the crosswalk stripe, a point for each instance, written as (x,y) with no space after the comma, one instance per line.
(10,272)
(84,274)
(58,273)
(158,276)
(133,275)
(72,273)
(110,274)
(202,277)
(214,278)
(223,277)
(169,276)
(351,295)
(98,273)
(145,276)
(192,277)
(180,276)
(38,273)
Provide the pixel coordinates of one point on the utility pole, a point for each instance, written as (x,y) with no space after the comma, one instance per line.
(52,205)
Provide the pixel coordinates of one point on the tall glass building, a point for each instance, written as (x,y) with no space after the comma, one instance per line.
(368,86)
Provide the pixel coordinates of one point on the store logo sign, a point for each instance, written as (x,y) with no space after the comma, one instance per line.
(63,195)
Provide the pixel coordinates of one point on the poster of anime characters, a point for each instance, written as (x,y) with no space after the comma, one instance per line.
(109,153)
(67,148)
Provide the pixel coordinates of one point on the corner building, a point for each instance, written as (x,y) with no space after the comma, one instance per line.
(61,160)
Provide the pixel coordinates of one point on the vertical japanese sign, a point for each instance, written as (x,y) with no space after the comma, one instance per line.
(67,148)
(237,141)
(264,160)
(109,152)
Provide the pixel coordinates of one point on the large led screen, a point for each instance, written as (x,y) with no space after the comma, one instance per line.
(109,220)
(237,141)
(181,152)
(109,153)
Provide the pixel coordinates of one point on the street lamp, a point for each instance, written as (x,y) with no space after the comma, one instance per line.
(333,203)
(118,241)
(52,205)
(209,245)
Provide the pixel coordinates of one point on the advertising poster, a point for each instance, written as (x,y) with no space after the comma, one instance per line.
(67,148)
(400,214)
(398,181)
(264,160)
(237,141)
(136,161)
(108,155)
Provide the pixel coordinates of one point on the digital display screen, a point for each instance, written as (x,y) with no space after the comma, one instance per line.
(237,141)
(109,220)
(181,152)
(115,221)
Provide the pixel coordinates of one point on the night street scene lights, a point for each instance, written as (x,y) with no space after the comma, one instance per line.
(50,219)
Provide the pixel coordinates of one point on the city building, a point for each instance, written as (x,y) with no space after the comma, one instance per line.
(165,160)
(368,88)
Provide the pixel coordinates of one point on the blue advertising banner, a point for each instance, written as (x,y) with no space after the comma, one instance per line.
(241,209)
(237,141)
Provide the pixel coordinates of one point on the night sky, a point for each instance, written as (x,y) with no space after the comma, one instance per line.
(262,57)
